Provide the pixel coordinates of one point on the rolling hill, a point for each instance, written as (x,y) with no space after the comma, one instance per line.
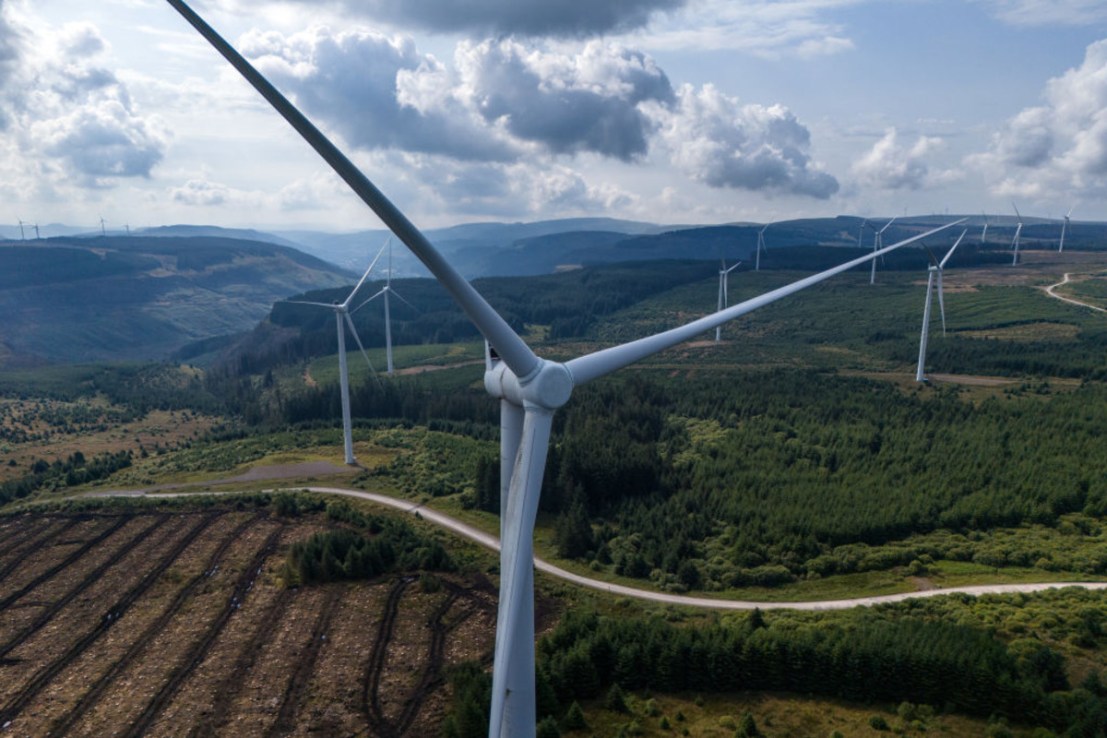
(127,298)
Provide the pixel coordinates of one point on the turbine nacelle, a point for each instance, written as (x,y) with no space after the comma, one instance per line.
(548,388)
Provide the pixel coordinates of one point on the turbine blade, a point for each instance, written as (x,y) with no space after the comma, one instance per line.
(330,305)
(933,259)
(1017,213)
(728,271)
(952,249)
(600,363)
(374,297)
(403,299)
(893,220)
(513,697)
(941,302)
(514,351)
(357,338)
(346,302)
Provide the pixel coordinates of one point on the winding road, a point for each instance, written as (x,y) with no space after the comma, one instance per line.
(492,542)
(1051,291)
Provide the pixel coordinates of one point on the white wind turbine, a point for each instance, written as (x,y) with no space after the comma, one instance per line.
(387,291)
(1018,232)
(861,233)
(760,247)
(984,233)
(1064,227)
(936,268)
(22,235)
(724,278)
(878,243)
(530,390)
(342,320)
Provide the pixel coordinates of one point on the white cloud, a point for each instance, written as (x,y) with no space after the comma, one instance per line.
(1061,145)
(769,29)
(582,100)
(1048,12)
(718,141)
(889,165)
(73,111)
(350,80)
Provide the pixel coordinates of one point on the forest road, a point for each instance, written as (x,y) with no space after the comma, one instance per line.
(492,542)
(1051,291)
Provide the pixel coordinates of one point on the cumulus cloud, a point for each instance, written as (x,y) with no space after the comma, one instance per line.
(890,165)
(587,101)
(562,18)
(1061,145)
(78,113)
(349,79)
(723,143)
(500,100)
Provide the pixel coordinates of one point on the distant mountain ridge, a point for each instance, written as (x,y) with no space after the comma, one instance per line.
(107,298)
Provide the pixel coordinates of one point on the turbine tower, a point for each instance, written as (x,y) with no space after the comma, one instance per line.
(1064,227)
(530,390)
(724,277)
(984,233)
(861,232)
(386,291)
(760,247)
(342,319)
(1018,232)
(22,235)
(37,237)
(936,268)
(103,231)
(878,243)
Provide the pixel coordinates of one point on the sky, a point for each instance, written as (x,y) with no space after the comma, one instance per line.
(666,111)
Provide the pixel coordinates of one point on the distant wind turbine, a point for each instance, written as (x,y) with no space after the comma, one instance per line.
(103,230)
(37,237)
(936,268)
(1018,232)
(1064,227)
(760,247)
(22,236)
(724,278)
(342,320)
(387,291)
(878,243)
(530,390)
(861,232)
(984,233)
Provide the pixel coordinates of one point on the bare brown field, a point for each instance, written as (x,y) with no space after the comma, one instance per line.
(51,429)
(177,624)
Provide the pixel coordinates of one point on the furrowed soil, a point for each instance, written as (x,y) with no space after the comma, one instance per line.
(178,624)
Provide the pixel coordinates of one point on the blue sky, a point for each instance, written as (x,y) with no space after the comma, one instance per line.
(669,111)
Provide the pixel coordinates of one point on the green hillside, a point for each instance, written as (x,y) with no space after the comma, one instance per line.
(120,298)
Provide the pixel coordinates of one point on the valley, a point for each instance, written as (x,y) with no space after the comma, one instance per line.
(794,460)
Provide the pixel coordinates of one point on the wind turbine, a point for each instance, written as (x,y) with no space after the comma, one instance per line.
(724,277)
(386,291)
(103,231)
(936,267)
(1064,227)
(760,246)
(530,390)
(1018,232)
(37,237)
(878,243)
(342,319)
(984,233)
(861,232)
(22,236)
